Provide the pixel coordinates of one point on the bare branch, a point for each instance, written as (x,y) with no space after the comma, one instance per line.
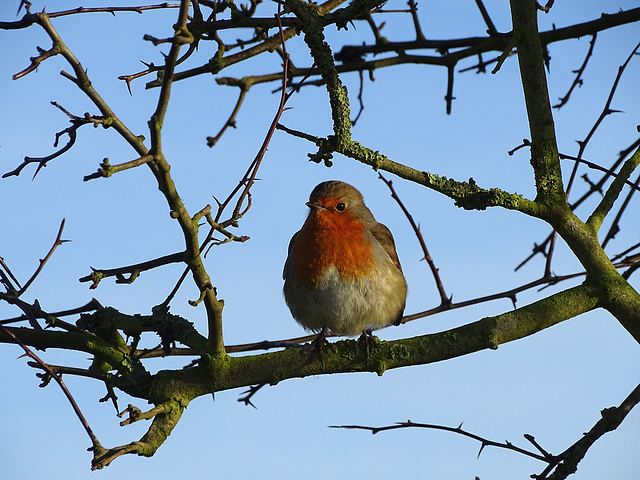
(577,82)
(459,430)
(58,241)
(113,10)
(606,111)
(491,28)
(251,175)
(132,270)
(58,378)
(231,122)
(247,395)
(106,169)
(561,465)
(595,166)
(36,61)
(444,299)
(53,318)
(6,281)
(135,414)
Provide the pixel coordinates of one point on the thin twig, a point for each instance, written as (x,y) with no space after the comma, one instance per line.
(231,122)
(58,378)
(577,82)
(449,98)
(58,241)
(248,394)
(491,28)
(606,111)
(106,169)
(11,276)
(132,270)
(71,132)
(250,179)
(444,299)
(561,465)
(413,9)
(112,10)
(595,166)
(89,307)
(360,91)
(483,441)
(36,61)
(299,134)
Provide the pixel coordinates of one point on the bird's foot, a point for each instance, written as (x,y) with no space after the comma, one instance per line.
(318,344)
(369,341)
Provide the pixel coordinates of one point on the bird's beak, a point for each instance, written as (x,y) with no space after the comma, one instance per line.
(314,206)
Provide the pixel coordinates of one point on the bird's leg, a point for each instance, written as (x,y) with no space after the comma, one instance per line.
(368,339)
(320,342)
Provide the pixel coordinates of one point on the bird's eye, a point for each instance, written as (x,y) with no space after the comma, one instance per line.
(340,207)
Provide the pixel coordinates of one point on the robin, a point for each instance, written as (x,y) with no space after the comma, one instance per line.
(342,271)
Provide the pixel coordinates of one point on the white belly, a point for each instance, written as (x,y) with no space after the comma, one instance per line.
(348,307)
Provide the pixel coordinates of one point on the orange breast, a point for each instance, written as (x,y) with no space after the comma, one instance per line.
(332,239)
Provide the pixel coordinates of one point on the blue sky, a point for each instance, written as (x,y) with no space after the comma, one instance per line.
(551,385)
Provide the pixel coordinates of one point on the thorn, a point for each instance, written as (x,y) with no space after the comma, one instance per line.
(481,449)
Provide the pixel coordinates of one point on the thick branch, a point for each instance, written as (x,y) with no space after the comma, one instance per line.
(342,357)
(467,195)
(544,148)
(323,58)
(613,192)
(86,342)
(160,429)
(161,170)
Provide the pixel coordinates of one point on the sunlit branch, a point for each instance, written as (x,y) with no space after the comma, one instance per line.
(613,192)
(36,61)
(132,270)
(250,178)
(106,169)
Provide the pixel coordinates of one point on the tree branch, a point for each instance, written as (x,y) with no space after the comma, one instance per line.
(58,378)
(133,271)
(544,148)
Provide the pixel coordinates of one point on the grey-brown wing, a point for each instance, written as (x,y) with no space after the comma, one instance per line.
(288,263)
(384,236)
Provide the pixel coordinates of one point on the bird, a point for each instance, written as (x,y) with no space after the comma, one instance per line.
(342,271)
